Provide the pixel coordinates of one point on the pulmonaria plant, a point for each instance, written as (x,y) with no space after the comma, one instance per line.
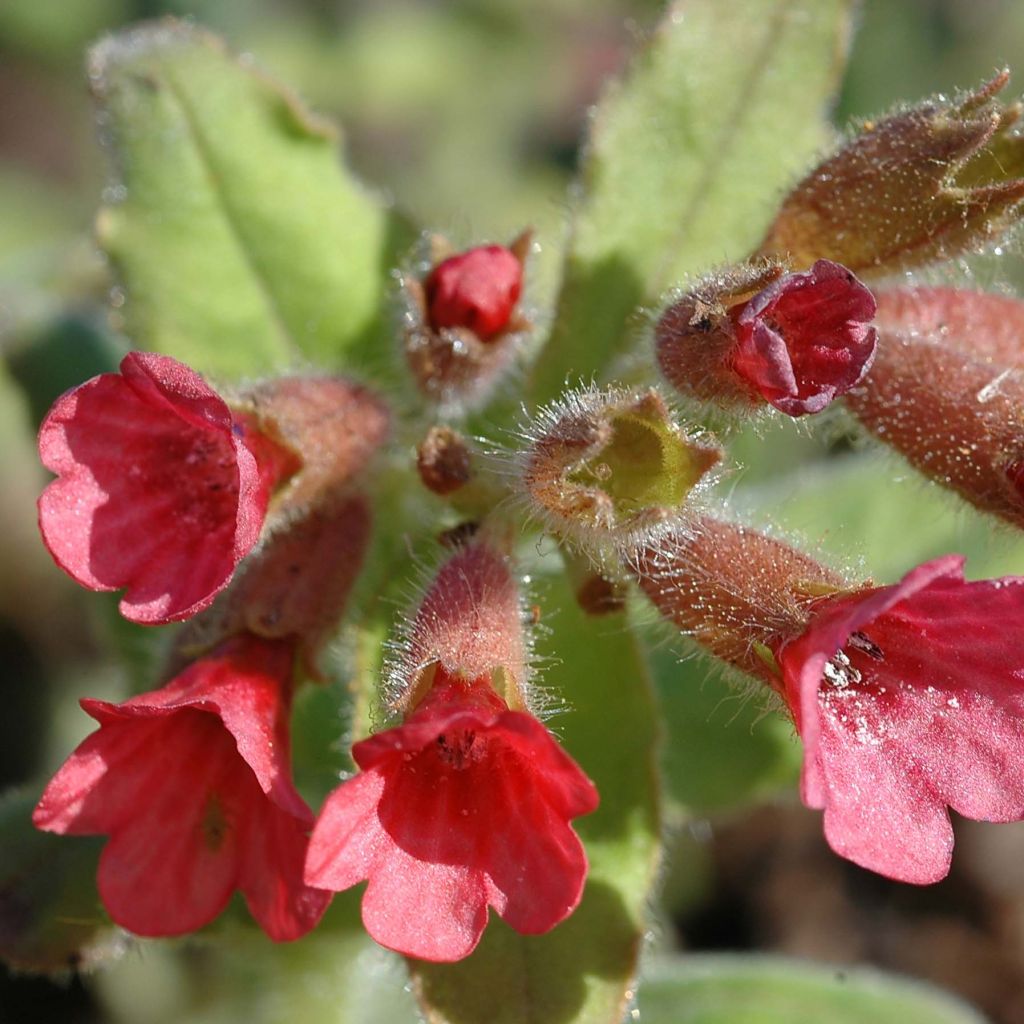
(282,513)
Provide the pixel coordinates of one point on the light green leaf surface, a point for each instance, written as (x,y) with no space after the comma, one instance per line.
(241,242)
(723,748)
(581,971)
(769,990)
(689,158)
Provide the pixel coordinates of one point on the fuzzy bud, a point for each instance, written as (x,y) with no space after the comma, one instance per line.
(796,343)
(737,592)
(332,426)
(947,391)
(610,467)
(470,624)
(443,460)
(461,324)
(923,185)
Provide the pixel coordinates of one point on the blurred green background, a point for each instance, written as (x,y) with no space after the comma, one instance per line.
(469,114)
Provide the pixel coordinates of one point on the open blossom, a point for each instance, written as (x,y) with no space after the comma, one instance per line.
(466,804)
(192,785)
(158,491)
(798,342)
(909,700)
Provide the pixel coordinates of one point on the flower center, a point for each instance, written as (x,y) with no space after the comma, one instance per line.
(839,670)
(456,748)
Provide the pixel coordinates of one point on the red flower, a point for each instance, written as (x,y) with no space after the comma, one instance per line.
(806,338)
(192,784)
(476,289)
(910,699)
(157,491)
(467,805)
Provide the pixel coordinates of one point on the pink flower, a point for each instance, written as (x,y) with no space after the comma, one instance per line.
(192,784)
(467,805)
(806,338)
(157,491)
(476,289)
(910,699)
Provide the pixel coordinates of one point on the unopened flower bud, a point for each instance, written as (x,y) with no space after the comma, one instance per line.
(443,460)
(610,467)
(926,184)
(332,426)
(797,342)
(476,290)
(947,393)
(462,325)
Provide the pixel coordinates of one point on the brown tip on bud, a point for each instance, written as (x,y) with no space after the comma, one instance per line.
(731,588)
(458,536)
(950,410)
(333,426)
(462,322)
(443,460)
(927,184)
(611,467)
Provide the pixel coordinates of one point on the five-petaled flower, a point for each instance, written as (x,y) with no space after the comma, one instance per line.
(159,490)
(464,806)
(909,700)
(467,803)
(192,785)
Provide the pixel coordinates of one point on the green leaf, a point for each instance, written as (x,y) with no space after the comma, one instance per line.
(722,747)
(688,161)
(335,975)
(50,917)
(870,508)
(582,970)
(242,244)
(770,990)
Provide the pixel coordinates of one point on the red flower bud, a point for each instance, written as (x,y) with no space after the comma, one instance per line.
(476,289)
(797,343)
(461,321)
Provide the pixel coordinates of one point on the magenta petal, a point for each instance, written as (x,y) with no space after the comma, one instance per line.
(806,338)
(923,713)
(155,493)
(466,804)
(271,877)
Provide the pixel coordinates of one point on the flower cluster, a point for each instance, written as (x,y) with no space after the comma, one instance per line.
(251,515)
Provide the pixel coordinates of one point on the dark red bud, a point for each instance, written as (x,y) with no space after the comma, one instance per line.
(476,289)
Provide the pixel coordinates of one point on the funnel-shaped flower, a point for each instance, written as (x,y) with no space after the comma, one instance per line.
(157,490)
(192,785)
(468,803)
(909,700)
(797,342)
